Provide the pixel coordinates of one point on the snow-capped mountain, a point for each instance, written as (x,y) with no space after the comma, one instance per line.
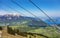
(18,19)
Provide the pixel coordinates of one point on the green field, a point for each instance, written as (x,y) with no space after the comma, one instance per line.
(47,31)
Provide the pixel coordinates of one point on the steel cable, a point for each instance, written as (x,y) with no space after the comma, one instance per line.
(45,14)
(27,10)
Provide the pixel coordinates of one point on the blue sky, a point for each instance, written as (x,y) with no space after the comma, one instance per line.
(51,7)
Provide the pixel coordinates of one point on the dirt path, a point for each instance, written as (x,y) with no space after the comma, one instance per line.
(6,35)
(0,34)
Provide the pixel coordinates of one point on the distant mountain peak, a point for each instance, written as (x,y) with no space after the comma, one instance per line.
(10,14)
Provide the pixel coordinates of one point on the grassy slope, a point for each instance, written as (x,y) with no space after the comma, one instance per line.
(49,31)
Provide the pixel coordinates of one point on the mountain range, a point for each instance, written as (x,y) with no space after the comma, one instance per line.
(10,19)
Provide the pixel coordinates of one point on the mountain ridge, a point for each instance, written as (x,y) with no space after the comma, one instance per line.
(18,19)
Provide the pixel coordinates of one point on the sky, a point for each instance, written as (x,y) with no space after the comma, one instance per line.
(50,7)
